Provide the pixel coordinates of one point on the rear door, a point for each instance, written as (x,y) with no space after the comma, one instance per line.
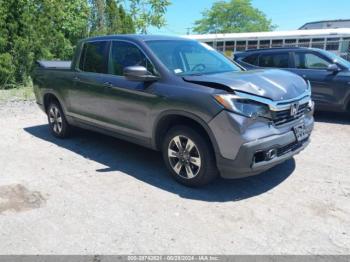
(87,94)
(313,67)
(280,60)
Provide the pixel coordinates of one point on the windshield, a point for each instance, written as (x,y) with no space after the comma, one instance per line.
(185,58)
(338,59)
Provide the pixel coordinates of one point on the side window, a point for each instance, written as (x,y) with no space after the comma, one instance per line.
(93,57)
(279,60)
(252,59)
(310,61)
(124,54)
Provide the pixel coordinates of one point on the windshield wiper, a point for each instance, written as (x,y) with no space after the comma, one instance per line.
(196,74)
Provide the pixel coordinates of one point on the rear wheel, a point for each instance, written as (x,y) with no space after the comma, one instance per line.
(58,124)
(189,156)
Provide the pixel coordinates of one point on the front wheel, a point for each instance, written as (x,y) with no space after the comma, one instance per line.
(189,156)
(58,124)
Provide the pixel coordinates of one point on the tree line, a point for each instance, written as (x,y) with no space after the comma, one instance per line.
(49,29)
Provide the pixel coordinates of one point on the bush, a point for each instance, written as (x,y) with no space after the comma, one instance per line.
(7,71)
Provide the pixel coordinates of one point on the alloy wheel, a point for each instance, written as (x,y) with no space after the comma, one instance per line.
(184,157)
(55,119)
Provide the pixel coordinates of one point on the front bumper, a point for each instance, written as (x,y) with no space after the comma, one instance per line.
(244,165)
(243,144)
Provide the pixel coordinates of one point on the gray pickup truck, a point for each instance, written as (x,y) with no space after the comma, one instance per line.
(202,111)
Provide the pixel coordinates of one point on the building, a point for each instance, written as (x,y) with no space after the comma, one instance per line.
(333,40)
(327,24)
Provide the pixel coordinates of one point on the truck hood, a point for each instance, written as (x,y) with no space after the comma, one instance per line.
(273,84)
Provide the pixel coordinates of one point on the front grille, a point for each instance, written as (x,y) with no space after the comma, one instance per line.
(290,147)
(284,116)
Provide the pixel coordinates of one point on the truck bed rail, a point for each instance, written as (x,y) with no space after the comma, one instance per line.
(54,64)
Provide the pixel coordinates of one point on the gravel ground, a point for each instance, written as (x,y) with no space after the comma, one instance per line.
(95,194)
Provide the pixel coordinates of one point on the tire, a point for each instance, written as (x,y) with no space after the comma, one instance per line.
(58,124)
(195,167)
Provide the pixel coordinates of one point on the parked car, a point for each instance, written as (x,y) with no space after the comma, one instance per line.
(328,74)
(181,97)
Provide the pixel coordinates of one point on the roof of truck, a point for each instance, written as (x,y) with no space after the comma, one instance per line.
(135,37)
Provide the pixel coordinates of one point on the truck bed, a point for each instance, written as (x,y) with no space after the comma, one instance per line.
(54,64)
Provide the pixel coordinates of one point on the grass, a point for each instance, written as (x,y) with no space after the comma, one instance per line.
(20,93)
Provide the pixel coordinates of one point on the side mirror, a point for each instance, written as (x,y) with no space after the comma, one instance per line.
(138,73)
(333,68)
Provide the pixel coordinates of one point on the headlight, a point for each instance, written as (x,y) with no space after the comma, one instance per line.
(243,106)
(311,105)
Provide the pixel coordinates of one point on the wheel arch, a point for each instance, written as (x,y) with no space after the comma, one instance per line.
(52,96)
(347,104)
(170,119)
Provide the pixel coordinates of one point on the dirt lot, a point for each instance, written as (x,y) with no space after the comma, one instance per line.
(95,194)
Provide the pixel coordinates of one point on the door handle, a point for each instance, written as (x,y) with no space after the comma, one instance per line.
(108,84)
(304,76)
(76,78)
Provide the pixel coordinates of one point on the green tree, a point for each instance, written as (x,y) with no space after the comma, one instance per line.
(128,26)
(31,30)
(117,20)
(59,25)
(97,20)
(37,29)
(233,16)
(147,13)
(15,54)
(110,16)
(113,19)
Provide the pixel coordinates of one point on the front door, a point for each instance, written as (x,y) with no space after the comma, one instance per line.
(313,67)
(128,104)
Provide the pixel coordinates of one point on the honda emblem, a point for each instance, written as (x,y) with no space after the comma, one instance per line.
(294,108)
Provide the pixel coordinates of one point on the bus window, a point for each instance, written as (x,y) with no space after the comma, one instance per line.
(241,46)
(220,46)
(210,43)
(345,46)
(318,43)
(290,43)
(277,43)
(252,44)
(264,44)
(332,44)
(230,46)
(304,43)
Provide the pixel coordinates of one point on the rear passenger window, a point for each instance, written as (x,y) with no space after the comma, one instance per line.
(93,57)
(124,54)
(279,60)
(310,61)
(252,59)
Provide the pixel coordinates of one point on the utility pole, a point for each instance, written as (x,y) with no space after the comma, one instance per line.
(188,30)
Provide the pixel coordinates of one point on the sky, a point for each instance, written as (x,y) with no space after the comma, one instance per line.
(286,14)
